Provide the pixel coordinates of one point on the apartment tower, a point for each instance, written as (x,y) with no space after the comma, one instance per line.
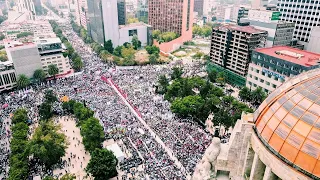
(305,15)
(172,16)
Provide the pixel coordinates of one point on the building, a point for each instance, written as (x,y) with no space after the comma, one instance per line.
(83,13)
(243,12)
(270,67)
(314,42)
(172,16)
(305,15)
(142,11)
(200,6)
(50,51)
(281,139)
(39,28)
(279,32)
(141,30)
(8,77)
(231,48)
(258,4)
(27,5)
(103,25)
(25,57)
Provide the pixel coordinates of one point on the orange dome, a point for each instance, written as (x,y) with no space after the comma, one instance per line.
(288,123)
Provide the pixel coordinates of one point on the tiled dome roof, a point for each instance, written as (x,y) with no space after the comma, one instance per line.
(288,122)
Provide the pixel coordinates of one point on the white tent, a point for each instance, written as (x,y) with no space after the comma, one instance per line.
(116,151)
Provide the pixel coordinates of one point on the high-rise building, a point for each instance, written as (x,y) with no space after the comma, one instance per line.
(171,16)
(314,42)
(27,5)
(200,6)
(279,32)
(104,25)
(270,67)
(305,15)
(142,11)
(231,48)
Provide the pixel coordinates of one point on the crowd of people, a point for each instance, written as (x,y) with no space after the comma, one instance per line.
(186,140)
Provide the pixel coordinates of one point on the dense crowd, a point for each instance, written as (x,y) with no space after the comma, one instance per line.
(147,156)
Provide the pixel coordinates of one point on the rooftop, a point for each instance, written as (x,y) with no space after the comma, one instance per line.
(247,29)
(293,55)
(134,25)
(47,40)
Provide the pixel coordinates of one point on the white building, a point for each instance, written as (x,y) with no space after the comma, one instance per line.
(314,42)
(270,67)
(305,15)
(141,30)
(279,32)
(7,76)
(50,50)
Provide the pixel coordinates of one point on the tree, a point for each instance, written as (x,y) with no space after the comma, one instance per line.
(2,36)
(117,51)
(104,55)
(152,49)
(77,64)
(258,96)
(20,115)
(156,34)
(153,59)
(53,70)
(108,46)
(212,75)
(164,83)
(22,81)
(102,164)
(176,73)
(132,20)
(48,144)
(92,133)
(128,53)
(135,42)
(50,97)
(245,94)
(221,78)
(187,106)
(39,75)
(45,111)
(68,177)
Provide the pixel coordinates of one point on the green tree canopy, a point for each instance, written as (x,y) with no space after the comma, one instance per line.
(53,70)
(258,96)
(50,97)
(22,81)
(108,46)
(39,75)
(77,64)
(48,144)
(117,51)
(92,133)
(102,164)
(176,73)
(68,177)
(135,42)
(153,59)
(45,111)
(245,94)
(20,115)
(187,106)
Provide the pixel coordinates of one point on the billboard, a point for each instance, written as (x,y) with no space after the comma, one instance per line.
(275,16)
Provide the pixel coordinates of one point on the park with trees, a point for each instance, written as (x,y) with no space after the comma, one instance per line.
(196,98)
(47,145)
(162,37)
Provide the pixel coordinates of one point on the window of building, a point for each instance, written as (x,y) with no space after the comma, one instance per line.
(133,32)
(267,83)
(274,86)
(261,80)
(256,78)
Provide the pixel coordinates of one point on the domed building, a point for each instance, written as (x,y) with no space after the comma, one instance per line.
(281,140)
